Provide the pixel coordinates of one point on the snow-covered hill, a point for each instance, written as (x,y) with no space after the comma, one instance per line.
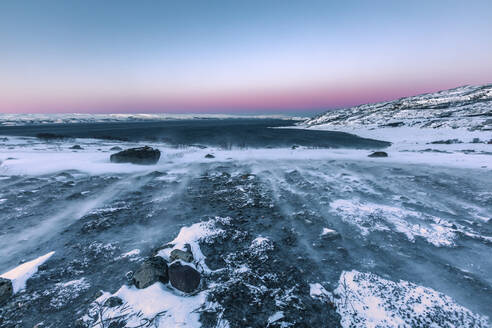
(467,107)
(69,118)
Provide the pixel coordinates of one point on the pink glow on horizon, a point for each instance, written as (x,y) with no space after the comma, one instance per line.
(298,100)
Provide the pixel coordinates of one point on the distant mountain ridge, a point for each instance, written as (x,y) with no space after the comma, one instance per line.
(462,107)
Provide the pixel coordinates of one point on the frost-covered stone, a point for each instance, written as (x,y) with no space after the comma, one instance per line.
(183,277)
(152,270)
(177,254)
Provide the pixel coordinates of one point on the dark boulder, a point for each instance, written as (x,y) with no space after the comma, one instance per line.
(76,147)
(183,277)
(50,136)
(209,156)
(152,270)
(177,254)
(6,290)
(116,148)
(379,154)
(142,155)
(113,301)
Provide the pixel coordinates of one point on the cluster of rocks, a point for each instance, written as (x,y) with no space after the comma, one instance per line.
(180,275)
(142,155)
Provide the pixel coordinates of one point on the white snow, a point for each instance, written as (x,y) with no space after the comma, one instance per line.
(132,255)
(20,274)
(462,107)
(462,113)
(327,231)
(156,304)
(316,290)
(179,311)
(192,235)
(368,217)
(367,300)
(260,246)
(63,293)
(36,157)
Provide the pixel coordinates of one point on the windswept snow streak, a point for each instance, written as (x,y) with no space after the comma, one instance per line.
(376,217)
(366,300)
(19,275)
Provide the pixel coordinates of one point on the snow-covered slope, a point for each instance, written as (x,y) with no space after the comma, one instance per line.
(463,107)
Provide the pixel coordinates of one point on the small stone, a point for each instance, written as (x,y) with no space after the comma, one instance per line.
(81,324)
(379,154)
(209,156)
(117,324)
(76,147)
(152,270)
(6,290)
(183,277)
(113,301)
(329,234)
(177,254)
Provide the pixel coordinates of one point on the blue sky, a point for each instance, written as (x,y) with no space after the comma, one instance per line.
(235,56)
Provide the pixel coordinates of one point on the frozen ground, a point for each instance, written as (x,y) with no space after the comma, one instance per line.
(283,237)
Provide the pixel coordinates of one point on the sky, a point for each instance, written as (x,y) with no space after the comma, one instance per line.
(130,56)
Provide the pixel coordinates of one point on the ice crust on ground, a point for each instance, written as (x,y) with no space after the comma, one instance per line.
(19,275)
(367,300)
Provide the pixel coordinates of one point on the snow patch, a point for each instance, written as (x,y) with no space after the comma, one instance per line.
(316,290)
(19,275)
(192,235)
(367,300)
(369,217)
(64,293)
(156,304)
